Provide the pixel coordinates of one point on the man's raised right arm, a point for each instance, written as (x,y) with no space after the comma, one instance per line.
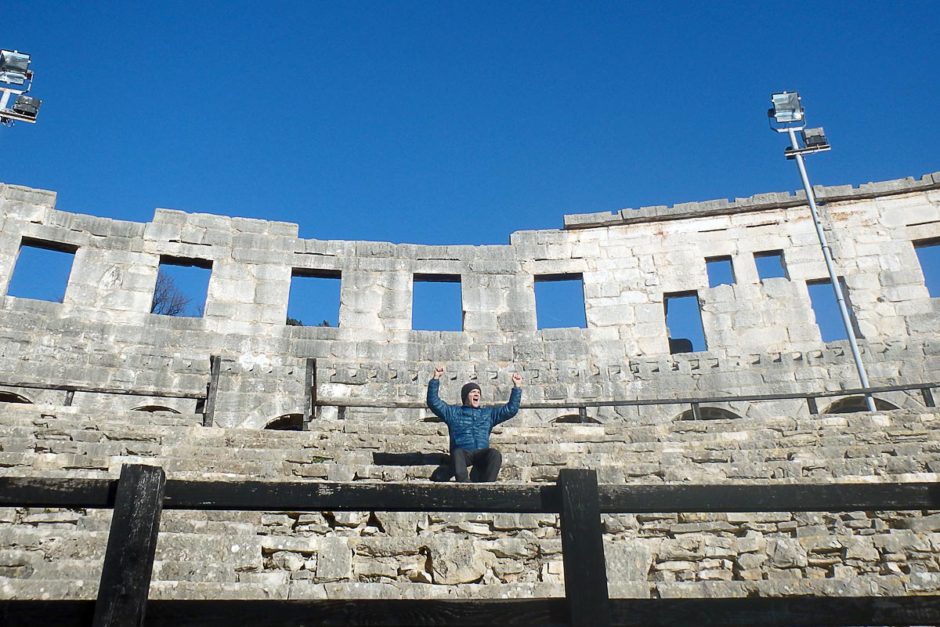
(435,404)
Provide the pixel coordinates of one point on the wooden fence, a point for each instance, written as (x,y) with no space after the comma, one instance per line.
(313,401)
(142,492)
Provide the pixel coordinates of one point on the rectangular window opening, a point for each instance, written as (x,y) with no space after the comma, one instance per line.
(684,323)
(437,303)
(42,270)
(928,255)
(559,301)
(314,298)
(770,265)
(720,271)
(181,288)
(826,309)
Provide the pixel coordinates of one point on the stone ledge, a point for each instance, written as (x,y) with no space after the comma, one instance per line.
(758,202)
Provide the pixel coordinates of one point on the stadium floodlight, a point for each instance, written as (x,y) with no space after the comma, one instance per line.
(814,138)
(16,79)
(788,109)
(27,106)
(14,67)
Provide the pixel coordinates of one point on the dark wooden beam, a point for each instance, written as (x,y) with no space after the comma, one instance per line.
(765,612)
(44,492)
(509,498)
(132,544)
(28,613)
(927,395)
(838,497)
(582,544)
(813,407)
(359,612)
(310,392)
(215,370)
(394,497)
(778,611)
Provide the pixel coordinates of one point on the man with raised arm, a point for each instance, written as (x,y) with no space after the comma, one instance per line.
(469,426)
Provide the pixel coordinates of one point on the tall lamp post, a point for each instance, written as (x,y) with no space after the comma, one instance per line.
(16,79)
(787,116)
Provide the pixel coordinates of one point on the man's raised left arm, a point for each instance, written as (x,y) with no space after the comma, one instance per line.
(510,409)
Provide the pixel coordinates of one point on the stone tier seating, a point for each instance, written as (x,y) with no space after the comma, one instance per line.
(58,553)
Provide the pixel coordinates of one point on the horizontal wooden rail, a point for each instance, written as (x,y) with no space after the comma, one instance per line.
(68,387)
(141,493)
(766,612)
(508,498)
(832,497)
(366,403)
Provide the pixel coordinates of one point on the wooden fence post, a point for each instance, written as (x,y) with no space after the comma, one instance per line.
(132,544)
(813,407)
(215,369)
(582,545)
(927,395)
(310,393)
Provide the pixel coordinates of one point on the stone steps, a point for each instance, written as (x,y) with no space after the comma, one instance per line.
(875,460)
(420,555)
(67,442)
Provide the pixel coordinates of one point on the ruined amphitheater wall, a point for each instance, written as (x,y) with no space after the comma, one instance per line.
(761,334)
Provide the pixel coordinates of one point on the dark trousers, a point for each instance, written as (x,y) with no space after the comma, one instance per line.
(486,463)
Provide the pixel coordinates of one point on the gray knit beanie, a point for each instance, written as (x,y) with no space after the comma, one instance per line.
(466,389)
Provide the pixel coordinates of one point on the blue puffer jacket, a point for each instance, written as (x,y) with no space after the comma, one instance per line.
(470,427)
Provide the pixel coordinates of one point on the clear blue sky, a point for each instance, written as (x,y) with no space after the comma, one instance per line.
(458,122)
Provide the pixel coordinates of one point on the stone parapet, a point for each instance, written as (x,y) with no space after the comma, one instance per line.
(758,202)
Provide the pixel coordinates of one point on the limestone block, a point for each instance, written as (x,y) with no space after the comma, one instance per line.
(163,232)
(628,561)
(786,553)
(273,293)
(334,560)
(454,561)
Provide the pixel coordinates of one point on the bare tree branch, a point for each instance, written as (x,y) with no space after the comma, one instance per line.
(168,300)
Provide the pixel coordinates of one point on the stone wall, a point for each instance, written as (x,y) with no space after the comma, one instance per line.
(58,553)
(761,335)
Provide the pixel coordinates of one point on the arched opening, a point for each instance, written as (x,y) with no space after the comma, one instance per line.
(287,422)
(854,404)
(709,413)
(11,397)
(155,408)
(575,419)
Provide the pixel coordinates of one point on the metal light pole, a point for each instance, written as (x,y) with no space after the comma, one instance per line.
(788,112)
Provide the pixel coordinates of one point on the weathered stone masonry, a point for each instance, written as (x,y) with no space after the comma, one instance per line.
(761,338)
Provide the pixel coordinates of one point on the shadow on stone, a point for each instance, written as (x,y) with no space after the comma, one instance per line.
(445,472)
(409,459)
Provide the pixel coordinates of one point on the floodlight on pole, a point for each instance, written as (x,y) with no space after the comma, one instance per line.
(787,107)
(16,79)
(787,112)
